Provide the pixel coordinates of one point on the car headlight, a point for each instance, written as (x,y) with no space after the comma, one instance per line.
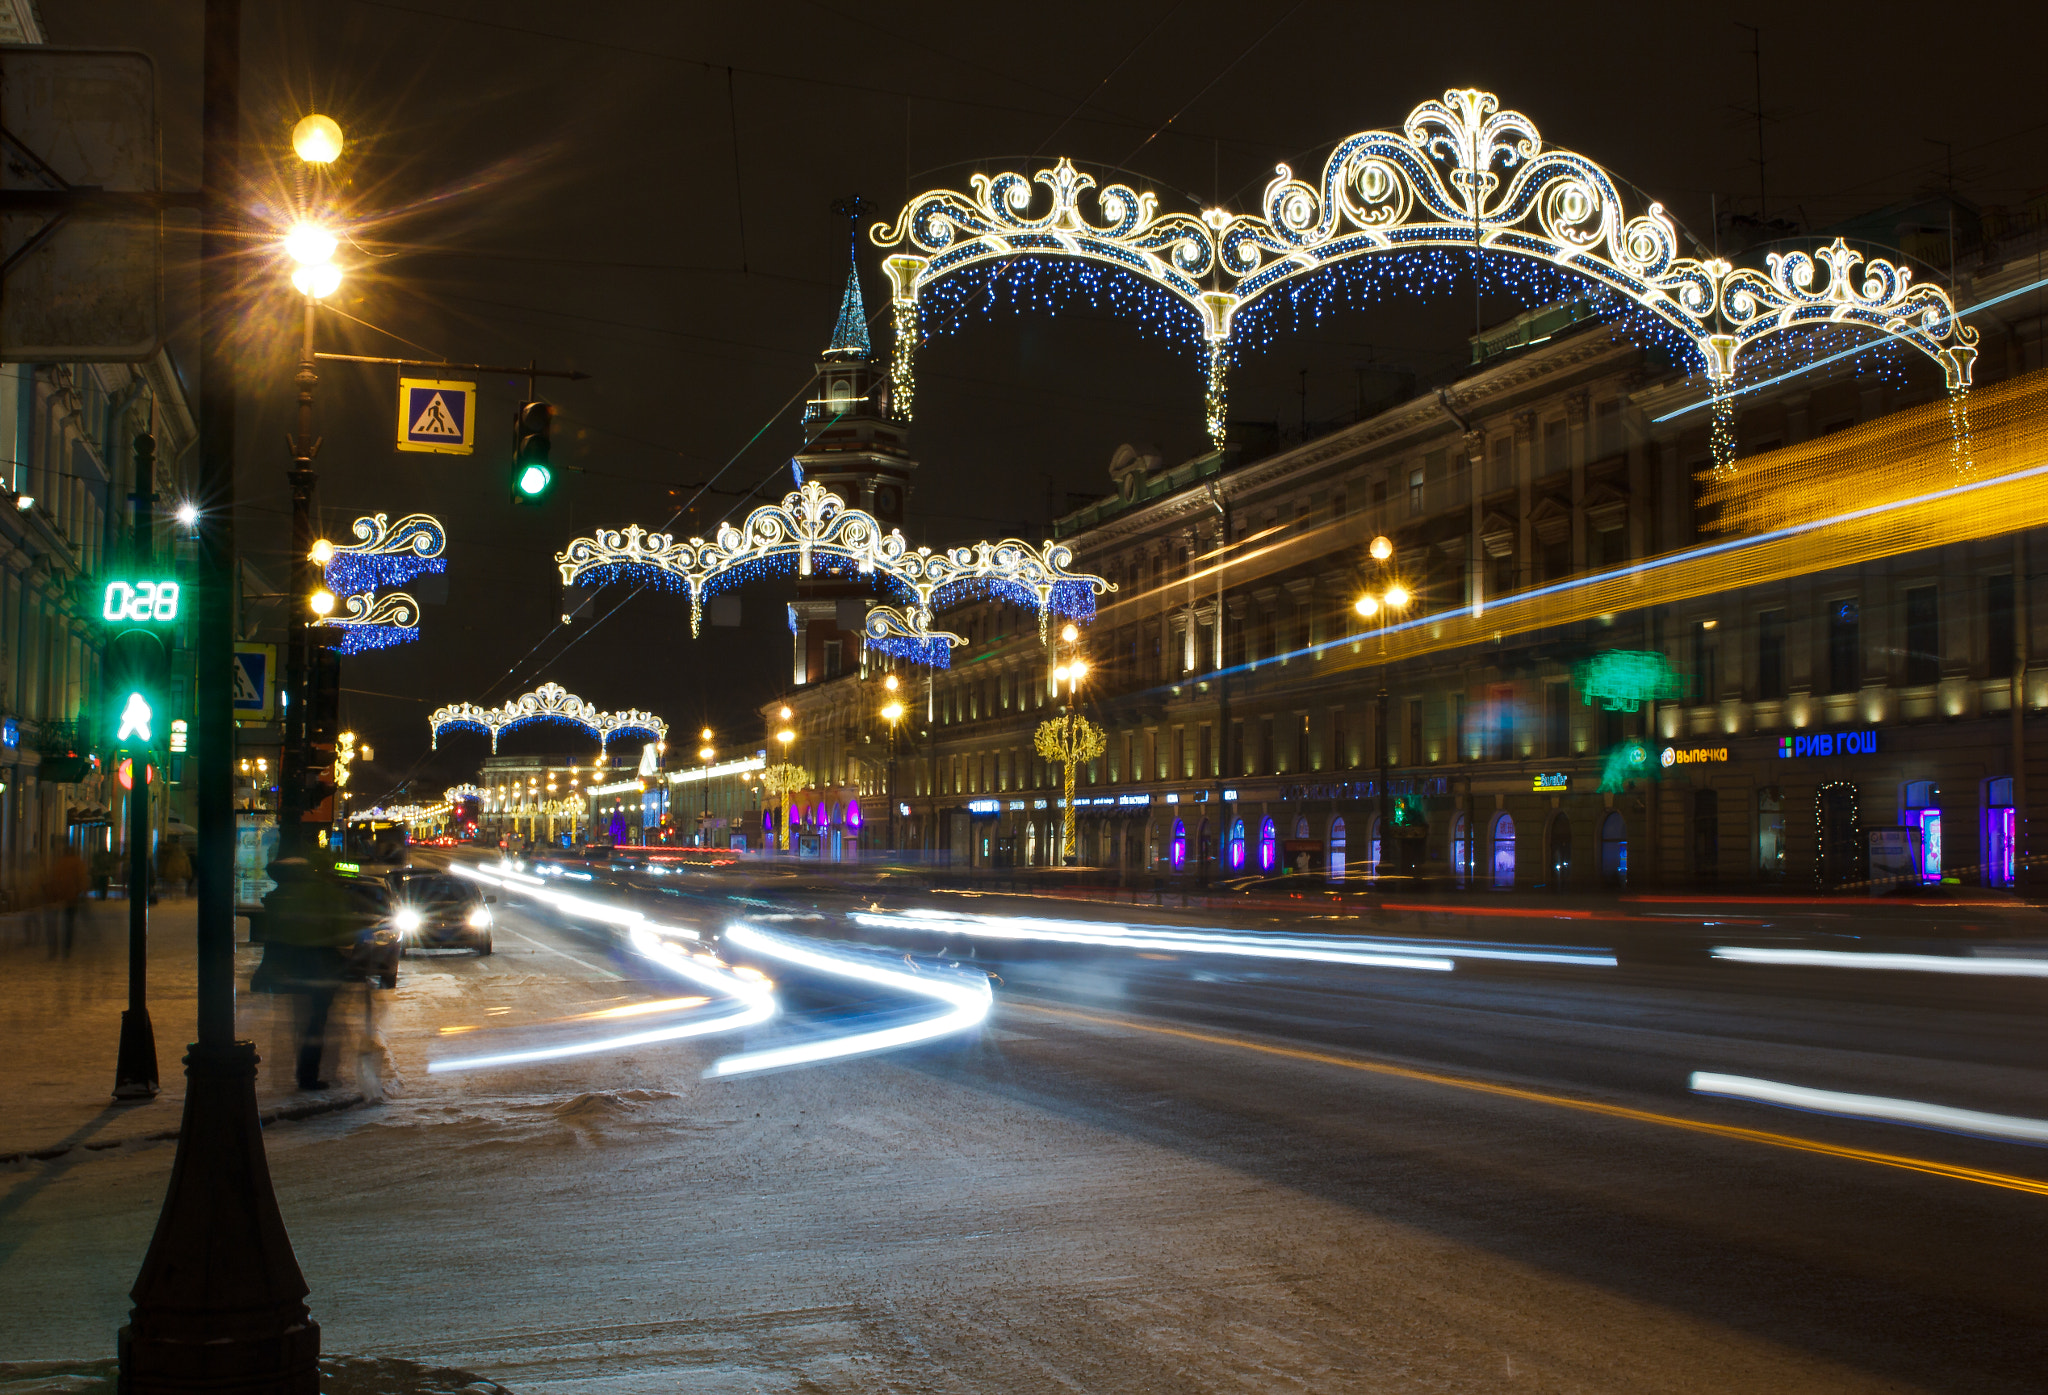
(480,918)
(408,920)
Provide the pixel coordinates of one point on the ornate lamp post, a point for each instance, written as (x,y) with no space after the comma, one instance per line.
(311,245)
(892,713)
(1069,738)
(1394,598)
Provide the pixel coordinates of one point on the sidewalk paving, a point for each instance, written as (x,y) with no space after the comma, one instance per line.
(61,1021)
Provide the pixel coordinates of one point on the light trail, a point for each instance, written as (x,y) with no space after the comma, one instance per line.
(1933,1167)
(1984,965)
(754,995)
(1878,1107)
(1430,955)
(967,1000)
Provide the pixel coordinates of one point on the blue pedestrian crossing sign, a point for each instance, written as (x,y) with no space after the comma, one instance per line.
(436,416)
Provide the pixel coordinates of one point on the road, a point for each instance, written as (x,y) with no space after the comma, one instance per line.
(1153,1169)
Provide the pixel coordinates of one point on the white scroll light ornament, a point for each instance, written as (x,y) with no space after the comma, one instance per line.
(550,702)
(384,554)
(813,532)
(1460,175)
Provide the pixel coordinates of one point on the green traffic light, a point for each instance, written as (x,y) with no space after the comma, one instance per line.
(533,480)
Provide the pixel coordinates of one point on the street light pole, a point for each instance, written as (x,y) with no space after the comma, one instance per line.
(1395,597)
(220,1302)
(135,1069)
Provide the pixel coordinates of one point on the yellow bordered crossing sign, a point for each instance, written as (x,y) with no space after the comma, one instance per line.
(436,416)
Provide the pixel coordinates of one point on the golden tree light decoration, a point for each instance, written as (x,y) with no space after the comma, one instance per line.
(1069,741)
(783,781)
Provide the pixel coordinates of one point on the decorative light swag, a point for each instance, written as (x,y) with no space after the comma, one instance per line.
(384,554)
(813,531)
(1460,174)
(550,702)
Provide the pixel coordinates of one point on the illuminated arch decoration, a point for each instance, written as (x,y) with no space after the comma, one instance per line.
(1461,175)
(455,794)
(384,554)
(550,702)
(814,532)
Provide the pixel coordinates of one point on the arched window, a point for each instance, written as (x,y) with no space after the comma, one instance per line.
(1461,849)
(1233,850)
(1269,846)
(1560,851)
(1614,849)
(853,813)
(1336,850)
(1504,851)
(1179,851)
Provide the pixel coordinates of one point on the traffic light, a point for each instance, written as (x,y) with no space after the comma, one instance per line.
(532,475)
(135,715)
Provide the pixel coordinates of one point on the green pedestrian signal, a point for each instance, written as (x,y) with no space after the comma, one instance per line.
(136,717)
(532,475)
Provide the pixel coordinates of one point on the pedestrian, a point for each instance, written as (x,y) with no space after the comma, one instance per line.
(104,865)
(176,868)
(64,885)
(311,920)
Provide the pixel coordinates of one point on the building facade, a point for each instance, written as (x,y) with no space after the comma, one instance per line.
(1781,728)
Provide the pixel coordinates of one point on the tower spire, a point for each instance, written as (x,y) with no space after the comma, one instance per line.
(850,333)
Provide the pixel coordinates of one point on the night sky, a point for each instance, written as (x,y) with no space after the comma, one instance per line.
(644,191)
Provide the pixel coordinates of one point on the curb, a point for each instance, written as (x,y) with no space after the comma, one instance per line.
(308,1110)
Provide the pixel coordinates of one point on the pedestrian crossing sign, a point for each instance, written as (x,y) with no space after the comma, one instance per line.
(436,416)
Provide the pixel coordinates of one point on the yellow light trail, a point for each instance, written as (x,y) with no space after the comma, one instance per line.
(2007,1181)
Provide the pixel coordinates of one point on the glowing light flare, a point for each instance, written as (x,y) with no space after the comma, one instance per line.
(1879,1108)
(309,244)
(317,282)
(316,139)
(967,999)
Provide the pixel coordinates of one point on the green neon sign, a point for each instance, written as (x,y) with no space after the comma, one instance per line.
(1624,679)
(140,602)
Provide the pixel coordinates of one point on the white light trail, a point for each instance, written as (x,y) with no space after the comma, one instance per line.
(1434,956)
(1878,1107)
(1860,959)
(754,994)
(967,1001)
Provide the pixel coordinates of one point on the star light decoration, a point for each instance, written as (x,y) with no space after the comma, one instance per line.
(814,532)
(384,554)
(550,702)
(1461,175)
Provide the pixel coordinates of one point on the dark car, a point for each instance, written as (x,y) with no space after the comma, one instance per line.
(433,910)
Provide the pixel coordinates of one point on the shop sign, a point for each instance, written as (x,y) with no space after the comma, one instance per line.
(1172,798)
(1038,803)
(10,732)
(1134,799)
(1016,804)
(1829,743)
(1554,782)
(1692,755)
(984,806)
(1433,787)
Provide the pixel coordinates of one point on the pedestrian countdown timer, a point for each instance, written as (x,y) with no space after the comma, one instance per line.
(140,602)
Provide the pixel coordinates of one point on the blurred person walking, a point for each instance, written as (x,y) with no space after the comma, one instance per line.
(64,884)
(312,919)
(176,866)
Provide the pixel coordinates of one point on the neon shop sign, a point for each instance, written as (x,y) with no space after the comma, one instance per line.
(1829,743)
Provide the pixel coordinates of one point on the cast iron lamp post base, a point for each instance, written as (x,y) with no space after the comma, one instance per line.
(220,1303)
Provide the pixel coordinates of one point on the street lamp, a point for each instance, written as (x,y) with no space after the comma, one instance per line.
(1395,597)
(309,244)
(892,713)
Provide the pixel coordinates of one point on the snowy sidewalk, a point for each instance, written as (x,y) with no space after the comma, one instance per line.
(61,1021)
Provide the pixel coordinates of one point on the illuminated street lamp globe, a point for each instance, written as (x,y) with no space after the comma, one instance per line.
(322,602)
(1366,606)
(1382,549)
(1069,633)
(317,139)
(893,713)
(1397,596)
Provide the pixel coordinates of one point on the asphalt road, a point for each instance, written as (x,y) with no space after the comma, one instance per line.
(1160,1170)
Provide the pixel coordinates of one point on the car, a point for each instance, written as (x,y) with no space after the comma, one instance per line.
(433,910)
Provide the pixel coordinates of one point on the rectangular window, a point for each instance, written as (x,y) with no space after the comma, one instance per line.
(1433,476)
(1610,547)
(1557,719)
(2000,642)
(1607,428)
(1153,769)
(1706,681)
(1237,765)
(1503,462)
(1301,746)
(1458,727)
(1923,637)
(1266,765)
(1554,457)
(1411,754)
(1340,741)
(1770,655)
(1500,701)
(1845,646)
(1205,763)
(1611,734)
(1180,751)
(1415,478)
